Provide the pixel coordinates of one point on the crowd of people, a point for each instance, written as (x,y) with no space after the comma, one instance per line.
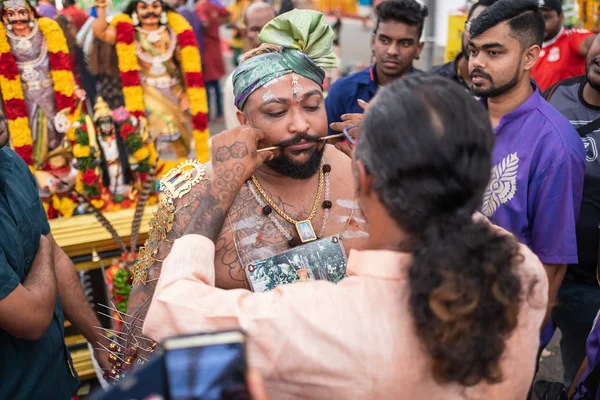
(463,197)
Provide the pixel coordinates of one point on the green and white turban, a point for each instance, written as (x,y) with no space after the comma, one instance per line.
(306,42)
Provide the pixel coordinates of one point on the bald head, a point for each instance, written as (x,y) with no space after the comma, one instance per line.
(256,16)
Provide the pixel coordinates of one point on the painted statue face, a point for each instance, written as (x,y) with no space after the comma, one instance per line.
(149,13)
(106,126)
(18,18)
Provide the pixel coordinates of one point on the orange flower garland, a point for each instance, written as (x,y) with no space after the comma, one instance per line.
(190,65)
(12,93)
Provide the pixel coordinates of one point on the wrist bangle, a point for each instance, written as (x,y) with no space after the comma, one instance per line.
(100,5)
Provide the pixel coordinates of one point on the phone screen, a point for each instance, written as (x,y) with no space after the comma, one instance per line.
(213,371)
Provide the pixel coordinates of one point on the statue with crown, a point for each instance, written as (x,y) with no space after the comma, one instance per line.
(114,156)
(40,98)
(161,74)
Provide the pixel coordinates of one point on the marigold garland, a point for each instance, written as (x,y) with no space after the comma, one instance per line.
(12,92)
(190,65)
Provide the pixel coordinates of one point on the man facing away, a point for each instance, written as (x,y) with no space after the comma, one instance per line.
(439,307)
(563,51)
(578,99)
(458,69)
(38,288)
(257,15)
(396,43)
(538,159)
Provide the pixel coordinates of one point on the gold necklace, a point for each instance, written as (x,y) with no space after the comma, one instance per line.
(304,227)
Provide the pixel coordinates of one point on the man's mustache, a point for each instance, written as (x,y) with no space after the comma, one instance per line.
(19,21)
(149,15)
(479,72)
(297,139)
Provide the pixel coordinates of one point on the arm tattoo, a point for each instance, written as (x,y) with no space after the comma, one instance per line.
(238,150)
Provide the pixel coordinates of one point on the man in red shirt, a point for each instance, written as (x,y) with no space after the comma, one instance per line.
(564,50)
(212,17)
(77,15)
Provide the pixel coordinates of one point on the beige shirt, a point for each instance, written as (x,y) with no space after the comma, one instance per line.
(353,340)
(229,108)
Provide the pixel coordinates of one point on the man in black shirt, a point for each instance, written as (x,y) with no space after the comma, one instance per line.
(578,99)
(39,286)
(458,69)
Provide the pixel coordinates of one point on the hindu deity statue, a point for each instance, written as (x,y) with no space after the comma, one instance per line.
(160,71)
(39,95)
(116,170)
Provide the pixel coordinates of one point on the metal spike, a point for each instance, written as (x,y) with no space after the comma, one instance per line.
(114,354)
(113,332)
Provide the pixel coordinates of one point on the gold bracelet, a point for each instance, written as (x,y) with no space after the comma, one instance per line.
(99,5)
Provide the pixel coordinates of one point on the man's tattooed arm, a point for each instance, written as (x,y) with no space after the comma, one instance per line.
(235,159)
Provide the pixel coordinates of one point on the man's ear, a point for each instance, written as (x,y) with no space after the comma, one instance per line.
(419,50)
(531,56)
(364,181)
(241,118)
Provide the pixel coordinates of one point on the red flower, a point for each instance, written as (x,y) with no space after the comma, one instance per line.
(143,176)
(8,66)
(15,108)
(127,130)
(125,33)
(187,38)
(89,177)
(130,78)
(138,114)
(194,79)
(126,203)
(25,153)
(63,101)
(200,121)
(52,213)
(119,298)
(59,61)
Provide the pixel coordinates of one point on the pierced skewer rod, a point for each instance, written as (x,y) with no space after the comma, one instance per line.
(339,135)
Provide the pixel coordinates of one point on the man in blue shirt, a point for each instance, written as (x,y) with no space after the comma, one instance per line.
(37,281)
(395,44)
(538,158)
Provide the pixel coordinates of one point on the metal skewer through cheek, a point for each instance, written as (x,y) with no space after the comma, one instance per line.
(339,135)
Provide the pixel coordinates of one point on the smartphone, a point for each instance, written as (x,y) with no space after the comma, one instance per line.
(209,366)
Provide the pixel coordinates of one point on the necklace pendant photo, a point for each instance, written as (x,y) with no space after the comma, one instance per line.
(306,231)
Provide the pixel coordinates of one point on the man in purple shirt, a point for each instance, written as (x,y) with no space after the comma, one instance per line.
(46,8)
(538,159)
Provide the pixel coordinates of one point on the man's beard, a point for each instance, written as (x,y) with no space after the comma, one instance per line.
(285,166)
(494,91)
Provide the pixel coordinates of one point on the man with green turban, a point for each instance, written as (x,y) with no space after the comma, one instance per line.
(298,194)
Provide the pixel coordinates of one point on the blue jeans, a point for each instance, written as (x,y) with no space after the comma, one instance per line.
(578,304)
(210,86)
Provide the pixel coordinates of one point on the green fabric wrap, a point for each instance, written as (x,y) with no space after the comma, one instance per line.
(306,42)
